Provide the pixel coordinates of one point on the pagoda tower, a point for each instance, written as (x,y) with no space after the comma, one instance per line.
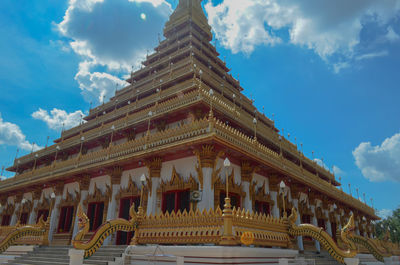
(180,116)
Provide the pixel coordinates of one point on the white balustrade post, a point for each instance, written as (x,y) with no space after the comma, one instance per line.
(76,256)
(33,215)
(299,238)
(351,261)
(152,201)
(248,204)
(207,200)
(54,217)
(14,217)
(315,222)
(275,209)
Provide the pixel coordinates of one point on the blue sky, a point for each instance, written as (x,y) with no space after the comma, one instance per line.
(328,75)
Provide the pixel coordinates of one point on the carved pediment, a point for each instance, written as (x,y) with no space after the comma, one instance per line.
(43,205)
(71,199)
(233,186)
(305,209)
(319,213)
(132,190)
(98,196)
(8,209)
(27,207)
(178,183)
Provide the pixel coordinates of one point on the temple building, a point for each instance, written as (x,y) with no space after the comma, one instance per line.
(177,121)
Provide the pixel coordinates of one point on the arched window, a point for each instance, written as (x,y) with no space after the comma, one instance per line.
(126,197)
(236,192)
(262,202)
(175,194)
(97,205)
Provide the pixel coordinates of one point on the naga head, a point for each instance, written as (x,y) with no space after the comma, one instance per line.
(132,213)
(83,220)
(292,217)
(349,227)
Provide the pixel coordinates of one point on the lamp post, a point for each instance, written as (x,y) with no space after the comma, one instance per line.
(148,124)
(211,103)
(227,238)
(112,134)
(227,164)
(282,186)
(255,128)
(143,181)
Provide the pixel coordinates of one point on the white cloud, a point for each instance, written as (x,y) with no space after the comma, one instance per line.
(392,35)
(57,118)
(384,213)
(337,171)
(380,162)
(11,134)
(372,55)
(111,34)
(327,27)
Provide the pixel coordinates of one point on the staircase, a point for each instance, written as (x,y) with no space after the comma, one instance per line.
(322,258)
(58,255)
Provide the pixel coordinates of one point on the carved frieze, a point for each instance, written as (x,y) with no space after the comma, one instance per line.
(59,188)
(84,182)
(259,194)
(37,193)
(115,174)
(154,167)
(247,171)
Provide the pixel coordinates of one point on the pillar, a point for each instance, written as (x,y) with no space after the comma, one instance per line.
(36,194)
(17,208)
(206,163)
(84,184)
(246,173)
(14,217)
(58,190)
(154,168)
(299,238)
(115,177)
(273,190)
(315,222)
(328,224)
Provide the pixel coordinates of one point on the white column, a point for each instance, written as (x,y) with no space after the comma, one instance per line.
(54,217)
(112,212)
(84,194)
(33,215)
(14,217)
(357,229)
(207,199)
(152,200)
(299,238)
(275,209)
(248,204)
(328,224)
(315,222)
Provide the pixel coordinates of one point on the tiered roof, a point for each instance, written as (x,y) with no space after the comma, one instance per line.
(178,78)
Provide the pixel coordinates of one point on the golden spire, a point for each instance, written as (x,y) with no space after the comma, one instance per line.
(188,11)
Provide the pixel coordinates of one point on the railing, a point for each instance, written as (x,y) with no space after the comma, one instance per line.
(324,238)
(187,227)
(24,235)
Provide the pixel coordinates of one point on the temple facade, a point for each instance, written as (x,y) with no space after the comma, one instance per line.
(178,132)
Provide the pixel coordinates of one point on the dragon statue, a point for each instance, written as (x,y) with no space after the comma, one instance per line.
(324,238)
(370,246)
(40,229)
(106,229)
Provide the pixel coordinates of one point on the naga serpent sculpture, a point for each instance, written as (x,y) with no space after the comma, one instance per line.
(106,229)
(370,246)
(40,229)
(324,238)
